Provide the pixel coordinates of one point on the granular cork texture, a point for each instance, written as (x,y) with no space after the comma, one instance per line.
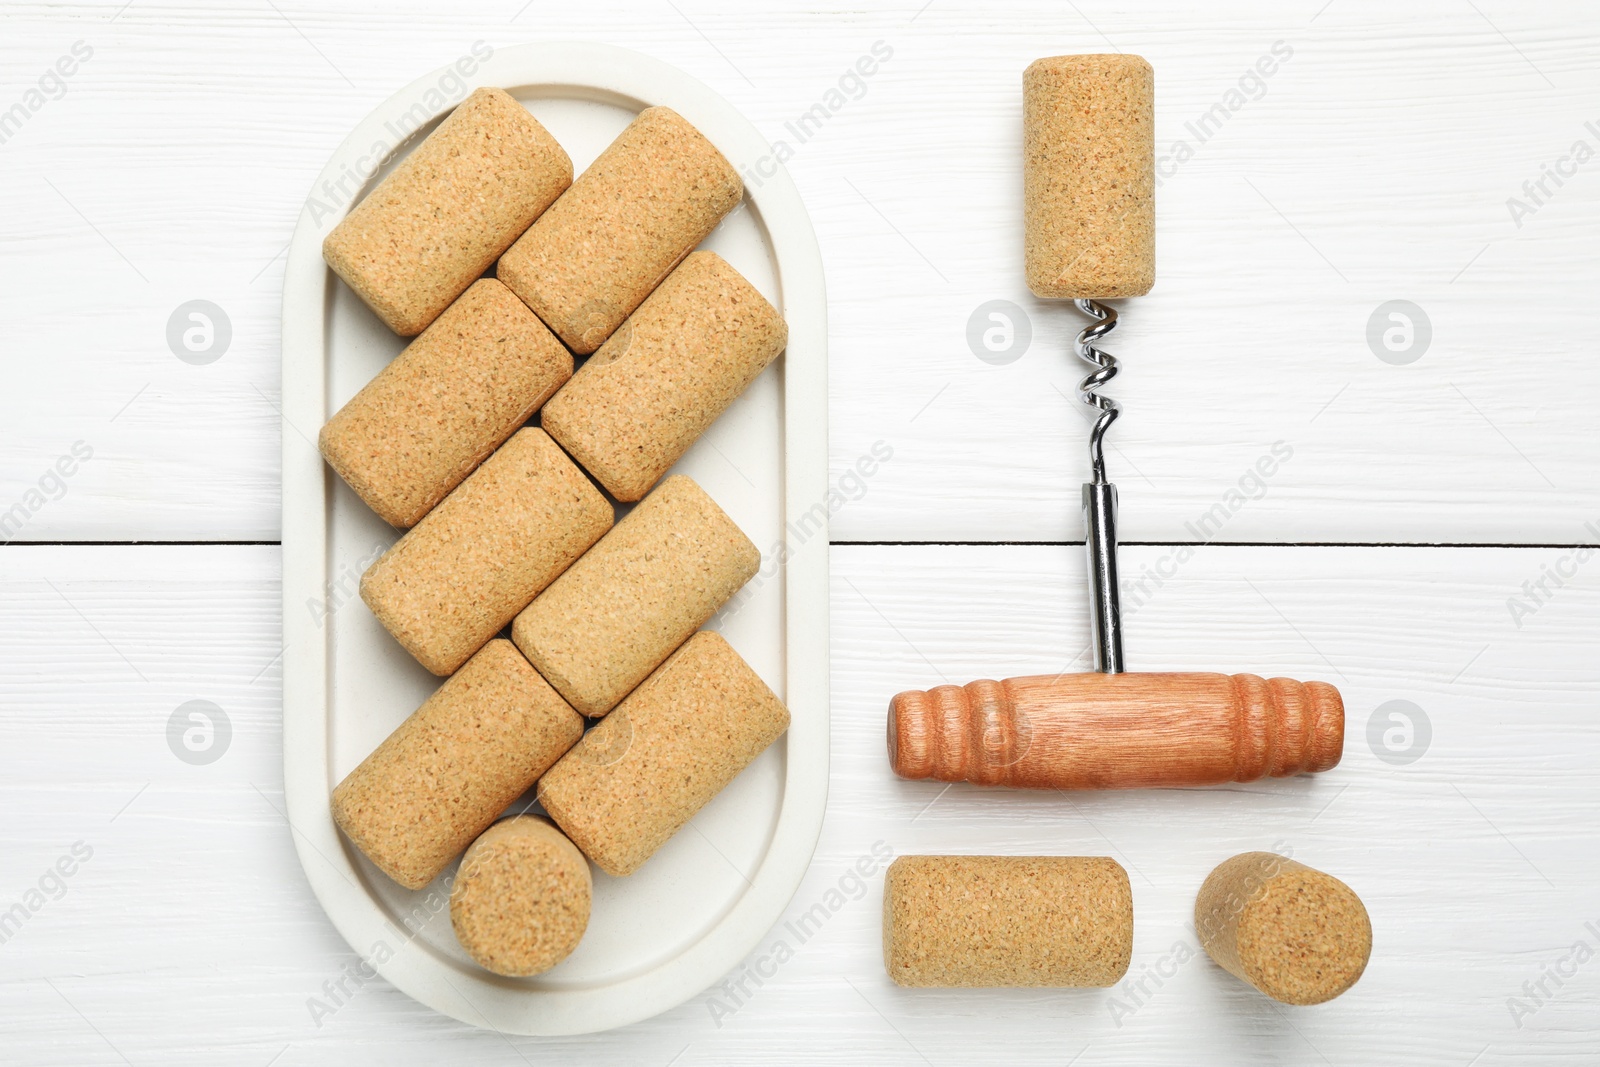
(449,770)
(448,210)
(649,198)
(639,402)
(1088,176)
(453,396)
(521,900)
(1007,921)
(1298,935)
(478,558)
(611,619)
(638,776)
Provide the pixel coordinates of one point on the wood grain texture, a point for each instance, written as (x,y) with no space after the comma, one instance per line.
(1375,164)
(191,937)
(1085,730)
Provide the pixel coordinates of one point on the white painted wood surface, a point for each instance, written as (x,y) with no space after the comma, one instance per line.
(190,935)
(1377,166)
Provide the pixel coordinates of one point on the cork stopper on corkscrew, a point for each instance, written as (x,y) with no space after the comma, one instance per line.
(1088,184)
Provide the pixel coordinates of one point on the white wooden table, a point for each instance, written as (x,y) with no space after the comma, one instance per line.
(1432,484)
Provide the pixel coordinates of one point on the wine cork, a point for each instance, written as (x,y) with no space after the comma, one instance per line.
(622,609)
(1088,177)
(1007,921)
(649,198)
(477,744)
(1296,934)
(476,374)
(477,559)
(448,210)
(672,745)
(520,903)
(639,402)
(1116,731)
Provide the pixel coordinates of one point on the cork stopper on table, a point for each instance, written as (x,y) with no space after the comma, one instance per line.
(672,745)
(480,556)
(476,374)
(1007,921)
(448,210)
(632,599)
(1298,935)
(666,375)
(477,744)
(520,903)
(639,208)
(1088,176)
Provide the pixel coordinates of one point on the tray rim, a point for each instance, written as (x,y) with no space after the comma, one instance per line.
(605,71)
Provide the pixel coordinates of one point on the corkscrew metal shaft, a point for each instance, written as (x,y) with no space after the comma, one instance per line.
(1099,495)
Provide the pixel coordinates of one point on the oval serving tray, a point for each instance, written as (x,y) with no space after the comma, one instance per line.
(702,903)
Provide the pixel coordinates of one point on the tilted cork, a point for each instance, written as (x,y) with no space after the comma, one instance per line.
(476,375)
(1007,921)
(632,599)
(639,402)
(672,745)
(520,903)
(478,558)
(1088,176)
(448,210)
(1298,935)
(477,744)
(639,208)
(1116,731)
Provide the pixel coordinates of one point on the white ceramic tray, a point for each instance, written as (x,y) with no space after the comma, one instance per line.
(702,903)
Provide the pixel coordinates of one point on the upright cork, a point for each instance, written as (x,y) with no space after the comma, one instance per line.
(623,608)
(672,745)
(476,375)
(648,199)
(1116,731)
(1296,934)
(639,402)
(1007,921)
(447,211)
(1088,176)
(520,903)
(478,558)
(477,744)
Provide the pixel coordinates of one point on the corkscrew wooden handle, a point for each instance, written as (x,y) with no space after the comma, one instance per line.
(1116,731)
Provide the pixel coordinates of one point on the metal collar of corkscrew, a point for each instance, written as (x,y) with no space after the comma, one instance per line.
(1099,495)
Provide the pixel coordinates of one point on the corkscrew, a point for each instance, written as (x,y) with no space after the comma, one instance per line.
(1088,188)
(1099,495)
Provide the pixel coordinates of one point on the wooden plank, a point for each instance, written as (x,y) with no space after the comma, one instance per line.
(189,935)
(1374,164)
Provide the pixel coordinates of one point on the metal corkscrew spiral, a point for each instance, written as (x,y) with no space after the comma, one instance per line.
(1099,495)
(1106,368)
